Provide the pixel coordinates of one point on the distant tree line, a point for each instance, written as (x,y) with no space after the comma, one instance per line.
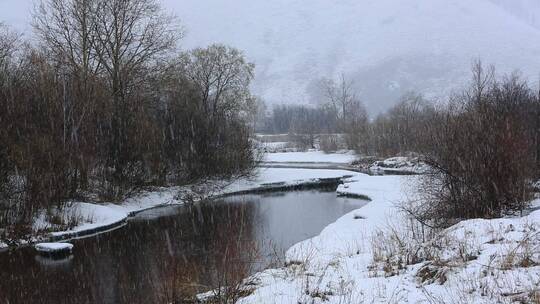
(104,104)
(483,143)
(303,123)
(342,113)
(286,118)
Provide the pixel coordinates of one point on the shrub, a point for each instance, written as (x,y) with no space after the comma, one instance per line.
(482,151)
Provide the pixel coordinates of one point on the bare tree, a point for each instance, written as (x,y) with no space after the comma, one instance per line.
(222,77)
(129,35)
(104,107)
(103,51)
(350,112)
(482,79)
(8,44)
(66,29)
(217,110)
(340,96)
(66,32)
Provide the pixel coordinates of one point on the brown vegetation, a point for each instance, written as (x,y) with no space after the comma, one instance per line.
(483,151)
(105,106)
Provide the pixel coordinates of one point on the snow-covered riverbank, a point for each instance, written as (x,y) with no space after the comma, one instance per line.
(95,218)
(335,259)
(369,256)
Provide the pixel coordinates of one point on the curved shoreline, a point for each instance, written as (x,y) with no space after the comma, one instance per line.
(262,188)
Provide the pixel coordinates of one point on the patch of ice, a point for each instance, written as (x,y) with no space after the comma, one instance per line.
(53,247)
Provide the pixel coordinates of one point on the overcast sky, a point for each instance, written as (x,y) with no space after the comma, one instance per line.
(296,42)
(193,14)
(15,12)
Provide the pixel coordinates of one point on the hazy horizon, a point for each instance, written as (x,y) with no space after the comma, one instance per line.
(386,48)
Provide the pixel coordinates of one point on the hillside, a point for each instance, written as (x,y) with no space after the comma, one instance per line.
(526,10)
(387,46)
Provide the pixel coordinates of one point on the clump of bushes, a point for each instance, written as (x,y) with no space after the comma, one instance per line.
(112,114)
(483,152)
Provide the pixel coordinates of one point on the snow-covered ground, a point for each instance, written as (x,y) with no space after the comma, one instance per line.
(283,176)
(274,147)
(338,258)
(345,160)
(369,256)
(397,165)
(53,247)
(94,216)
(346,157)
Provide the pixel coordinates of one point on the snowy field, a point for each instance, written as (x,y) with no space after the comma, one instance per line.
(344,160)
(284,176)
(311,157)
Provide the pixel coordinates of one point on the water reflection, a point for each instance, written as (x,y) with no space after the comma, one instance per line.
(165,253)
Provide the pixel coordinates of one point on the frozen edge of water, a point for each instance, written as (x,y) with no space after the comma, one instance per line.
(127,210)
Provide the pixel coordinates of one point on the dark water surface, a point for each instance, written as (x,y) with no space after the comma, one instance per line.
(164,252)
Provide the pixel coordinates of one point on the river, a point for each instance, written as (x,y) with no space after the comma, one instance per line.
(166,253)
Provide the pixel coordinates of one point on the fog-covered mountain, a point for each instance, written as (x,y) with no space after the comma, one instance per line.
(526,10)
(387,46)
